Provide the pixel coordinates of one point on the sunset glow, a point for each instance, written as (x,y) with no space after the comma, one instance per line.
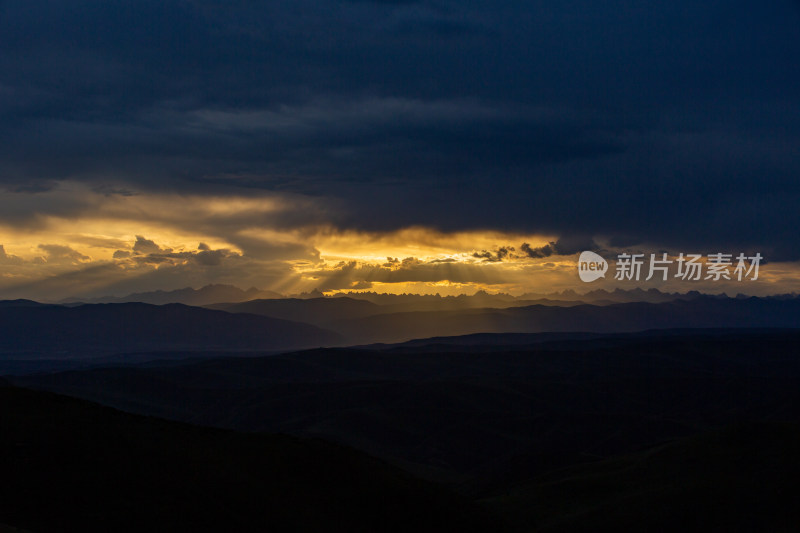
(96,243)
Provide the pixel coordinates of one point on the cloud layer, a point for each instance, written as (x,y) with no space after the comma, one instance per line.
(253,126)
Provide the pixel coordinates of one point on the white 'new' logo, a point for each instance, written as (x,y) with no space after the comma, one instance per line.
(591,266)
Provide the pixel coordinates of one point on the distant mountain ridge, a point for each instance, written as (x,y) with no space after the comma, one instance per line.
(209,294)
(364,322)
(702,312)
(39,332)
(312,310)
(598,296)
(352,321)
(73,332)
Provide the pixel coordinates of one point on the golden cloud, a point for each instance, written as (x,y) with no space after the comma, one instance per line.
(75,241)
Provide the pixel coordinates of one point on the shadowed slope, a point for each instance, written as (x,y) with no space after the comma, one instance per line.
(484,415)
(69,465)
(740,478)
(45,330)
(701,312)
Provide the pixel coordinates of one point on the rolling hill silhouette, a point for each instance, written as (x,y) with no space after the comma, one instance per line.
(485,415)
(29,330)
(555,431)
(364,322)
(208,294)
(72,466)
(41,331)
(740,478)
(705,312)
(315,311)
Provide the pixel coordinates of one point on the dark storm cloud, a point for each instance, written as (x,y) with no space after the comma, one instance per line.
(147,251)
(539,252)
(57,253)
(672,123)
(145,246)
(496,256)
(569,245)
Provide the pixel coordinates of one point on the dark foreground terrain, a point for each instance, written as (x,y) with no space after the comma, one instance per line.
(69,465)
(738,478)
(665,430)
(36,337)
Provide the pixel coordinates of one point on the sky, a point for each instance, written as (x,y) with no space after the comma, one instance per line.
(392,145)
